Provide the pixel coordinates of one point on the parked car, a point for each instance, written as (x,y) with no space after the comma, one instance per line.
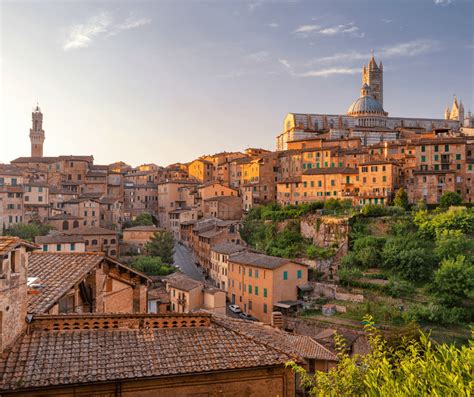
(248,317)
(235,308)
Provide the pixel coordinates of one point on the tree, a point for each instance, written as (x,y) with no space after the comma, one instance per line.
(401,198)
(414,367)
(451,243)
(449,199)
(161,245)
(453,282)
(29,231)
(410,258)
(152,266)
(144,219)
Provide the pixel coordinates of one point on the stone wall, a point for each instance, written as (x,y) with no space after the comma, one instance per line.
(324,230)
(331,291)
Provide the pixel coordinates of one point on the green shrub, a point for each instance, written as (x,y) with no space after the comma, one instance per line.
(438,314)
(397,288)
(449,199)
(152,266)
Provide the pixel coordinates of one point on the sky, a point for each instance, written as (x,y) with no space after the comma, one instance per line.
(168,81)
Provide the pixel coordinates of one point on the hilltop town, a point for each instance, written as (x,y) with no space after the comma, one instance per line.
(235,263)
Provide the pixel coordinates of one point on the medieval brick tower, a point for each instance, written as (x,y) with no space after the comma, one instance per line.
(37,133)
(372,75)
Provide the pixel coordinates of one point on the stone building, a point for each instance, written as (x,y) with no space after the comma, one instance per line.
(365,119)
(187,295)
(223,207)
(13,288)
(61,242)
(98,239)
(219,270)
(258,282)
(83,282)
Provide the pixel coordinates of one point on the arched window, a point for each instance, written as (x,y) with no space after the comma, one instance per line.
(65,225)
(316,125)
(87,242)
(75,224)
(94,242)
(331,124)
(112,241)
(112,252)
(106,241)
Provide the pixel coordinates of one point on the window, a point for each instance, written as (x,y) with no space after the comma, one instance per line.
(436,148)
(299,274)
(423,158)
(250,305)
(436,157)
(446,148)
(384,178)
(458,157)
(250,272)
(45,247)
(94,242)
(264,292)
(265,308)
(256,273)
(285,275)
(256,290)
(58,247)
(73,246)
(469,167)
(250,289)
(112,241)
(458,166)
(423,149)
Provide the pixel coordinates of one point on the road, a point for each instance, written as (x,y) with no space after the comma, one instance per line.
(184,259)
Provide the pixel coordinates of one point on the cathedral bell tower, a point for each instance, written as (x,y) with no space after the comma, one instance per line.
(37,133)
(372,75)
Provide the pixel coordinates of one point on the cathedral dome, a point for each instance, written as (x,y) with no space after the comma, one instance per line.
(365,104)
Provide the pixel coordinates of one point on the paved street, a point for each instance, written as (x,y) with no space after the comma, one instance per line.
(184,259)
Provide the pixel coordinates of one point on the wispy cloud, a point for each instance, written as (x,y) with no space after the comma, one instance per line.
(406,49)
(285,63)
(386,20)
(130,23)
(350,29)
(258,57)
(411,48)
(306,29)
(443,2)
(82,35)
(329,72)
(253,5)
(273,25)
(343,63)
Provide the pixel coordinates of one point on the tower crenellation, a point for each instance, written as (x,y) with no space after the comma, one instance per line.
(37,133)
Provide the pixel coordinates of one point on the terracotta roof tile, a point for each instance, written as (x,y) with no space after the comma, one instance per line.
(57,273)
(9,243)
(45,358)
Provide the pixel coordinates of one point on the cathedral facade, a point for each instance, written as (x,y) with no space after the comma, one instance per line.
(365,119)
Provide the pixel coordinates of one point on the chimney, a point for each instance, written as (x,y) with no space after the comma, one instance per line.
(277,320)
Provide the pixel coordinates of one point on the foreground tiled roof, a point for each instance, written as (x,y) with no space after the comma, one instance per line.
(61,350)
(294,344)
(57,273)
